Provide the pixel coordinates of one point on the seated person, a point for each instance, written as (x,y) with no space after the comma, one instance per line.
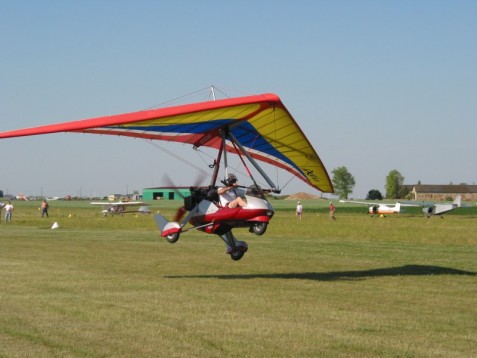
(231,195)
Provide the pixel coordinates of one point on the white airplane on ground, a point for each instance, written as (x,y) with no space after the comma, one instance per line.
(441,209)
(22,196)
(120,207)
(380,208)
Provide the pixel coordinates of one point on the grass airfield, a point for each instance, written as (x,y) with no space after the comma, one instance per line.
(400,286)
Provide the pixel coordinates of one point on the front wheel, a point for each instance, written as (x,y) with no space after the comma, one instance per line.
(172,238)
(237,255)
(259,228)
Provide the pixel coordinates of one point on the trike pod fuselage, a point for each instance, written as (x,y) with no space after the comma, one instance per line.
(223,219)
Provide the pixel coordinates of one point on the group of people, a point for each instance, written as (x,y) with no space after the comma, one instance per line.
(9,210)
(299,211)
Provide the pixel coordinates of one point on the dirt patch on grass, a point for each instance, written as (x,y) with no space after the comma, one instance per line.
(302,196)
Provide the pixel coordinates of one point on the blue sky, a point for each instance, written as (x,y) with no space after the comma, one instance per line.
(375,85)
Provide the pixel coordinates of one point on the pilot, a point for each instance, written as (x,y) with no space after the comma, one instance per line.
(231,195)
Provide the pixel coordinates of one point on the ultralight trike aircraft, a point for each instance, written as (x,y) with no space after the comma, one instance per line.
(256,128)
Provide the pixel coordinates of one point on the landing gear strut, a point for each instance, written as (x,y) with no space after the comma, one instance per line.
(235,248)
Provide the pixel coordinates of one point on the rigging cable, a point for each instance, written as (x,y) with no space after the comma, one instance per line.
(174,155)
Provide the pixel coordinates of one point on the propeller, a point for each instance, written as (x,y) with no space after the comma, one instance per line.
(182,210)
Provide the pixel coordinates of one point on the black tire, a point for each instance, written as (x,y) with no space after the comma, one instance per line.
(172,238)
(237,255)
(259,228)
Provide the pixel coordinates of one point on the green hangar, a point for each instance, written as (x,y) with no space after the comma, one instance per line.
(165,193)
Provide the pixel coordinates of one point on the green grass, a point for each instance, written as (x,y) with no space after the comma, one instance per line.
(401,286)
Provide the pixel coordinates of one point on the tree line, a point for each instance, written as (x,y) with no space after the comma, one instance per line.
(343,182)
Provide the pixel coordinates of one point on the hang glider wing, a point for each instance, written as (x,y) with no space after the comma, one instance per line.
(261,123)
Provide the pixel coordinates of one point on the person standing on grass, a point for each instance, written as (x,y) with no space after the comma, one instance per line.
(332,211)
(8,212)
(44,208)
(299,211)
(1,207)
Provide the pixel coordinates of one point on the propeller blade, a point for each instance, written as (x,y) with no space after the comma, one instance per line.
(168,181)
(199,179)
(179,214)
(181,210)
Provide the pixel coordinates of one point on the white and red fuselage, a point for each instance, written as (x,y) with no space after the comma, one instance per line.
(211,218)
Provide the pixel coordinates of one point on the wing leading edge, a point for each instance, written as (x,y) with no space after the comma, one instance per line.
(261,123)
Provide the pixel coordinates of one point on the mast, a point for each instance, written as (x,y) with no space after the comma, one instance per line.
(212,92)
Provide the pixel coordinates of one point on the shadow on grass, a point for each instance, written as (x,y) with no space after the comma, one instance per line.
(407,270)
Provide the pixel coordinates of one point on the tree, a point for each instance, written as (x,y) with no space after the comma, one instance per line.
(374,194)
(343,182)
(395,185)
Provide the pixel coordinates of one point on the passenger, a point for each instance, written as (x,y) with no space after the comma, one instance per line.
(231,195)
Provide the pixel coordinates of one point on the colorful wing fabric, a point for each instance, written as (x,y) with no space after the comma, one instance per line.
(261,123)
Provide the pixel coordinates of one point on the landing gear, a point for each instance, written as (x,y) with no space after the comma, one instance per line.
(240,250)
(236,249)
(172,238)
(258,228)
(237,255)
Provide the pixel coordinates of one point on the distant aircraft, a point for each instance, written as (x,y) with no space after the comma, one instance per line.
(22,197)
(380,208)
(120,207)
(441,209)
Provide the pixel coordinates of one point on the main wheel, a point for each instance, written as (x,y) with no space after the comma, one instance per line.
(237,255)
(259,228)
(172,238)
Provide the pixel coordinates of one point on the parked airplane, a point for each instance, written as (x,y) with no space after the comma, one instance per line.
(120,207)
(22,197)
(441,209)
(380,208)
